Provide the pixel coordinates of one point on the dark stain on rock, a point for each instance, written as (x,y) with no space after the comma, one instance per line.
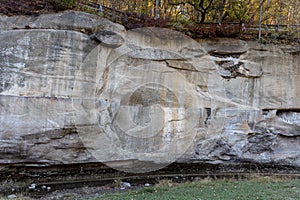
(8,80)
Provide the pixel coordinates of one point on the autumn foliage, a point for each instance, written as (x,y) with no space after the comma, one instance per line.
(29,7)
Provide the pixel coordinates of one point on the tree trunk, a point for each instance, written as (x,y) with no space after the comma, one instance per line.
(203,16)
(221,10)
(114,5)
(156,9)
(260,20)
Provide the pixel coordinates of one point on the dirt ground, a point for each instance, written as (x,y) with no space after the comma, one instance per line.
(69,194)
(83,193)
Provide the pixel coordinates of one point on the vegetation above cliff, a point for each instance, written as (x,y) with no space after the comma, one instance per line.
(279,19)
(28,7)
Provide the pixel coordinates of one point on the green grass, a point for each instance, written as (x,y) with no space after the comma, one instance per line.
(254,189)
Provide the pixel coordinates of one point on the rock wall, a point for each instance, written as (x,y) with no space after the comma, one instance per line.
(72,94)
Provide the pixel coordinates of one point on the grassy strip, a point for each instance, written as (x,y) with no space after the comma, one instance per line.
(259,188)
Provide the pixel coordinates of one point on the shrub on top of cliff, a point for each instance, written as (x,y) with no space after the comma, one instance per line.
(159,22)
(23,7)
(133,20)
(285,36)
(37,7)
(63,4)
(213,30)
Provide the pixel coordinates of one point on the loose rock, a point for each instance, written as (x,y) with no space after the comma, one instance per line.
(12,196)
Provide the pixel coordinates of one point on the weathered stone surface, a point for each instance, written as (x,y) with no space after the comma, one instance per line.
(68,20)
(36,75)
(221,46)
(158,98)
(152,110)
(262,115)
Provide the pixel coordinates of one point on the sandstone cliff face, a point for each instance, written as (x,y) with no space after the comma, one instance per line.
(157,96)
(39,58)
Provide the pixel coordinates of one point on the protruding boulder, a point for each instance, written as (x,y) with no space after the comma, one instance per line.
(109,39)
